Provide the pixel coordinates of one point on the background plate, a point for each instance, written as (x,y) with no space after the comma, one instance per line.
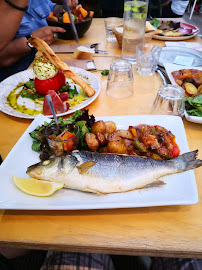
(11,82)
(168,55)
(194,29)
(170,68)
(179,189)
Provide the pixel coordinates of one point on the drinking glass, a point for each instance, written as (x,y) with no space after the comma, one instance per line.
(62,145)
(135,14)
(147,57)
(110,24)
(169,100)
(120,80)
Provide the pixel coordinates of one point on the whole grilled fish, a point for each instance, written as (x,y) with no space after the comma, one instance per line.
(108,173)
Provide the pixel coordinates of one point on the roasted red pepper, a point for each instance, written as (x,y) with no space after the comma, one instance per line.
(55,83)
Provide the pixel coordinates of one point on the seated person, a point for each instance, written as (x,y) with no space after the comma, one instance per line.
(10,20)
(17,55)
(167,9)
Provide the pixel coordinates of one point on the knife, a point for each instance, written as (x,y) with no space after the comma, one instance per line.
(66,8)
(100,51)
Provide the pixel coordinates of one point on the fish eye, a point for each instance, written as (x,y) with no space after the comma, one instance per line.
(46,162)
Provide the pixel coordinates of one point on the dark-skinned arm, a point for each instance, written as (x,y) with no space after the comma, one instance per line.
(10,20)
(18,48)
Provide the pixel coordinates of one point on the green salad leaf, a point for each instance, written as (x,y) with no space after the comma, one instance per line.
(83,129)
(73,92)
(156,23)
(193,105)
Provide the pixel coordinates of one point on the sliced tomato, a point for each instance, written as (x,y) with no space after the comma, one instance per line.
(68,146)
(55,83)
(59,106)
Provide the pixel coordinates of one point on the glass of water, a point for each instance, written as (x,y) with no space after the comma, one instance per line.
(120,80)
(169,100)
(147,56)
(135,14)
(110,24)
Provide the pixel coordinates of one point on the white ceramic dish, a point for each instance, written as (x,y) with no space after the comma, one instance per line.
(179,189)
(169,54)
(169,69)
(11,82)
(195,31)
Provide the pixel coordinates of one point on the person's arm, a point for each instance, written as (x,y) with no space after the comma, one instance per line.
(18,48)
(10,20)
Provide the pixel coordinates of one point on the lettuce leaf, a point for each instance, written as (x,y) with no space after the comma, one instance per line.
(156,23)
(193,105)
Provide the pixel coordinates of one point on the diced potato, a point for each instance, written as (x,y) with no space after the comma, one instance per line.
(190,88)
(124,134)
(99,127)
(101,138)
(200,89)
(110,126)
(92,141)
(113,137)
(117,147)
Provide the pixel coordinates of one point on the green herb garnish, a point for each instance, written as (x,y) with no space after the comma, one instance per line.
(156,23)
(73,92)
(105,72)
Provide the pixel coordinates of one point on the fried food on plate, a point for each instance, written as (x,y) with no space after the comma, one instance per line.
(43,47)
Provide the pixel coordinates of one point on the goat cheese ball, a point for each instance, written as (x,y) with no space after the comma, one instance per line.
(43,69)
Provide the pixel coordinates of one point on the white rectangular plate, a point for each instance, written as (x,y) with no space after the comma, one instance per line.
(179,189)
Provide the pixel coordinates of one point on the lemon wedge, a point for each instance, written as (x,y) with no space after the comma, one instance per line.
(36,187)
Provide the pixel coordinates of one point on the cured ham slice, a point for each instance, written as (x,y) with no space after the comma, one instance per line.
(59,106)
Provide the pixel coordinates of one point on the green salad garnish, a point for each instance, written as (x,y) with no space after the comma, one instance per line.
(81,118)
(193,105)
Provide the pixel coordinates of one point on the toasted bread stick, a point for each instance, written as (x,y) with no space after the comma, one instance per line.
(47,52)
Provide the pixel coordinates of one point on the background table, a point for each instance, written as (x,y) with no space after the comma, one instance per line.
(157,231)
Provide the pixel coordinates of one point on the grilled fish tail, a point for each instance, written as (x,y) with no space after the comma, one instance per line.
(187,161)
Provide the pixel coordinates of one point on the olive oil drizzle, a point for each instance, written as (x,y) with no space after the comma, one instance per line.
(13,97)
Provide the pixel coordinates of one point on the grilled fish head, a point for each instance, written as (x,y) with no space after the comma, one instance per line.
(47,169)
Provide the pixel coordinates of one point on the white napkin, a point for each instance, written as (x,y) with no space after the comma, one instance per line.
(192,45)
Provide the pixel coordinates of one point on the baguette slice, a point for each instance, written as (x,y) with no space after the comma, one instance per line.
(43,47)
(83,53)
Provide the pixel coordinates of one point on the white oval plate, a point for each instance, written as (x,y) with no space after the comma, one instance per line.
(194,28)
(11,82)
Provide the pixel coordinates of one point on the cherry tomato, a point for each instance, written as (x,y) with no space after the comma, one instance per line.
(55,83)
(176,151)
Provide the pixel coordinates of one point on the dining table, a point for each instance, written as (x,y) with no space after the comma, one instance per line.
(165,231)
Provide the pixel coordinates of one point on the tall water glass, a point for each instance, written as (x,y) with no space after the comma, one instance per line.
(135,14)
